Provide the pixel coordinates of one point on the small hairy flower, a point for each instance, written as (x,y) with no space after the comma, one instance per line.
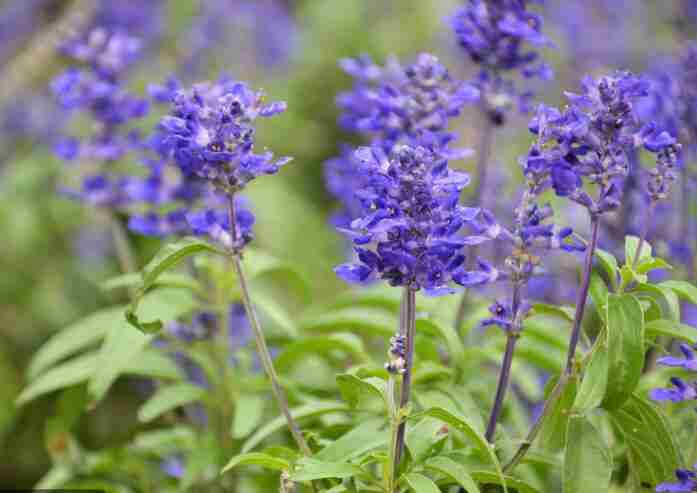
(409,231)
(210,133)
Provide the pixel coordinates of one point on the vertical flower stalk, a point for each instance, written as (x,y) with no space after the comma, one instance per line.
(408,331)
(591,141)
(262,348)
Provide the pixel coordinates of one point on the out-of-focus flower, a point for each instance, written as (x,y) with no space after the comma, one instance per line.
(687,482)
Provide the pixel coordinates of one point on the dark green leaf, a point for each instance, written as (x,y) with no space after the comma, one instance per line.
(168,398)
(257,459)
(586,457)
(625,342)
(553,432)
(454,471)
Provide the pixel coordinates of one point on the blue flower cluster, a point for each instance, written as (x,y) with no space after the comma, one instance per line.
(409,231)
(210,133)
(680,390)
(98,90)
(591,140)
(394,105)
(496,35)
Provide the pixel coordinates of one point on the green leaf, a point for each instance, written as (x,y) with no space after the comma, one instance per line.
(651,446)
(166,279)
(373,322)
(360,440)
(153,364)
(420,484)
(274,311)
(631,243)
(586,456)
(665,297)
(670,328)
(553,430)
(258,264)
(462,424)
(599,293)
(625,340)
(309,469)
(248,414)
(311,410)
(683,289)
(74,338)
(564,312)
(653,264)
(488,477)
(594,384)
(165,441)
(169,398)
(257,459)
(423,437)
(72,372)
(453,342)
(349,344)
(456,472)
(355,390)
(609,264)
(168,257)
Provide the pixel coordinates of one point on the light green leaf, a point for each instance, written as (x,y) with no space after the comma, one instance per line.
(349,344)
(74,338)
(586,456)
(683,289)
(365,437)
(631,243)
(598,292)
(355,390)
(609,264)
(653,264)
(153,364)
(311,410)
(651,446)
(665,297)
(423,437)
(166,279)
(670,328)
(373,322)
(564,312)
(625,340)
(420,484)
(72,372)
(456,472)
(462,424)
(453,342)
(168,257)
(488,477)
(257,459)
(165,441)
(309,469)
(258,263)
(594,384)
(553,432)
(274,311)
(248,414)
(169,398)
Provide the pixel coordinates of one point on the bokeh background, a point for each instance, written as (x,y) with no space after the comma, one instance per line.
(55,252)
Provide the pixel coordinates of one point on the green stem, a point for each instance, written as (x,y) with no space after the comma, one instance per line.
(393,414)
(262,348)
(124,251)
(644,234)
(409,331)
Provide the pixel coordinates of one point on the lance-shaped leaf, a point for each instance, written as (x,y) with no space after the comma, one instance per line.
(587,459)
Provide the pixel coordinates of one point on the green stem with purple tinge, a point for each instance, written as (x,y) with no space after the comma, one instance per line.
(408,330)
(263,350)
(511,338)
(573,342)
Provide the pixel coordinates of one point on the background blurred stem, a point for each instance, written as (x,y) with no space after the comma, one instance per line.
(644,233)
(486,139)
(408,329)
(262,348)
(122,245)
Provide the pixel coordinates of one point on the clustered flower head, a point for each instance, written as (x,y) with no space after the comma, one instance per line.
(591,139)
(97,88)
(409,231)
(501,37)
(210,133)
(402,104)
(394,105)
